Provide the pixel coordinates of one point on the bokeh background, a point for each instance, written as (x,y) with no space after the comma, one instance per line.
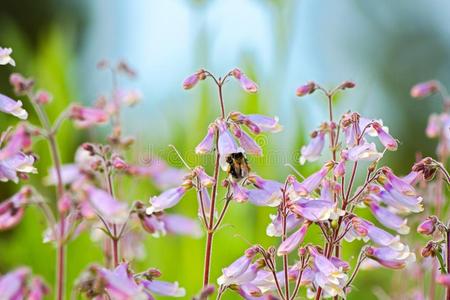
(384,46)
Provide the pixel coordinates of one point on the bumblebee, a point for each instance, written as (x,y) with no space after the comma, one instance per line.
(238,166)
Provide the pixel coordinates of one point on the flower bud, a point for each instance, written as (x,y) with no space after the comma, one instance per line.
(306,89)
(428,226)
(21,84)
(193,79)
(346,85)
(430,249)
(64,204)
(424,89)
(43,97)
(427,167)
(118,163)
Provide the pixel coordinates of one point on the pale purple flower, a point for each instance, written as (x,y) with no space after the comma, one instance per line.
(226,142)
(267,192)
(207,144)
(339,170)
(243,278)
(246,84)
(119,283)
(5,57)
(434,126)
(238,267)
(152,224)
(305,89)
(166,200)
(17,163)
(205,180)
(313,210)
(310,183)
(265,123)
(364,151)
(367,230)
(10,106)
(327,275)
(19,140)
(240,194)
(389,257)
(400,199)
(291,243)
(37,289)
(248,143)
(108,207)
(85,117)
(313,150)
(13,284)
(129,97)
(388,218)
(413,177)
(178,224)
(164,288)
(385,138)
(275,226)
(424,89)
(69,174)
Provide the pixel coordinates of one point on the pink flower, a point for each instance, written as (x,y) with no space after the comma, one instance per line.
(205,180)
(339,170)
(389,257)
(306,89)
(400,196)
(264,123)
(193,79)
(365,151)
(385,138)
(242,279)
(365,229)
(108,207)
(164,288)
(424,89)
(69,173)
(152,224)
(5,57)
(207,144)
(434,126)
(247,143)
(166,200)
(310,183)
(313,210)
(246,84)
(18,141)
(267,192)
(38,289)
(240,194)
(180,225)
(43,97)
(21,85)
(443,279)
(238,267)
(10,106)
(292,242)
(85,117)
(313,150)
(428,226)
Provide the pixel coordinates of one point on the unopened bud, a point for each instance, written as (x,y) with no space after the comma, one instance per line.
(424,89)
(306,89)
(428,226)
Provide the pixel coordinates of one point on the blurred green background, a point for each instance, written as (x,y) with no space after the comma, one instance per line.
(383,46)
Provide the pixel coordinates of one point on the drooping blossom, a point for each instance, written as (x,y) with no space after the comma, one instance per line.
(249,145)
(246,84)
(5,57)
(205,180)
(424,89)
(21,85)
(428,226)
(256,123)
(385,138)
(207,144)
(291,243)
(244,278)
(193,79)
(16,164)
(240,194)
(309,184)
(238,267)
(226,142)
(164,288)
(85,117)
(312,210)
(12,107)
(388,218)
(267,192)
(19,140)
(108,207)
(167,199)
(365,151)
(306,89)
(275,226)
(389,257)
(20,284)
(313,150)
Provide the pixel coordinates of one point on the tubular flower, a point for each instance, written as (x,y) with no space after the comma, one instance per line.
(207,144)
(385,138)
(12,210)
(424,89)
(167,199)
(18,141)
(246,84)
(13,284)
(238,267)
(275,226)
(267,192)
(205,180)
(248,143)
(5,57)
(226,142)
(365,151)
(12,107)
(310,183)
(306,89)
(367,230)
(391,258)
(312,210)
(108,207)
(193,79)
(330,278)
(256,123)
(388,218)
(180,225)
(240,194)
(428,226)
(396,196)
(164,288)
(313,150)
(85,117)
(292,242)
(17,163)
